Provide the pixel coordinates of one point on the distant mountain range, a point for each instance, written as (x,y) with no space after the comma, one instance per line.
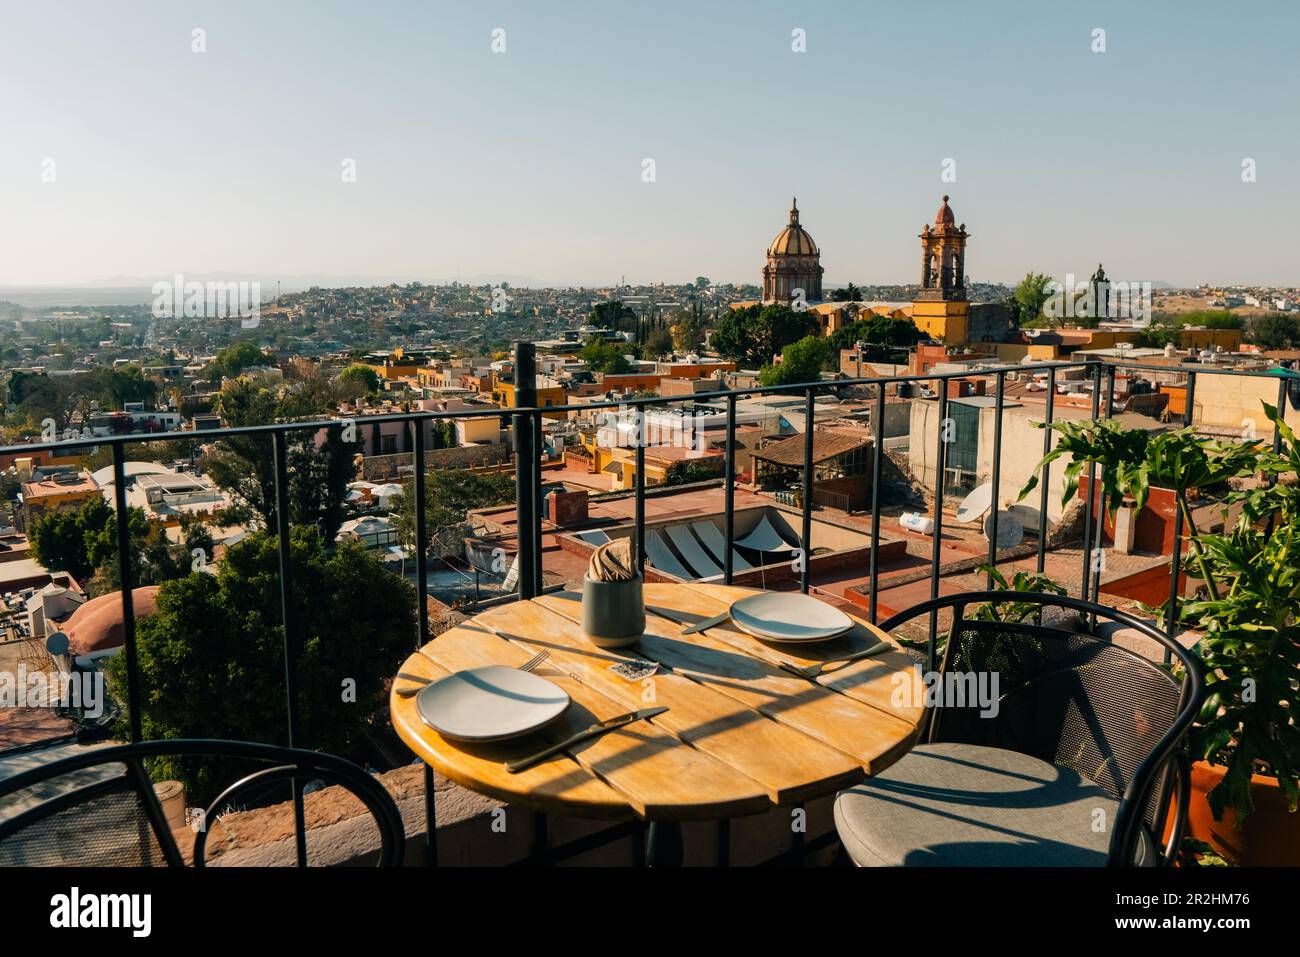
(135,290)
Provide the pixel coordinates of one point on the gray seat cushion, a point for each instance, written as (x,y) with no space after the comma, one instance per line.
(964,805)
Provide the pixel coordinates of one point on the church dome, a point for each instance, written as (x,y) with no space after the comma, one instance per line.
(794,239)
(97,625)
(945,217)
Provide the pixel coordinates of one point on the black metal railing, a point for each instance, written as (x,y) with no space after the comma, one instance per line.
(527,418)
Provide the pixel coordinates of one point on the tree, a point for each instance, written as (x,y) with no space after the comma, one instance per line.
(40,396)
(849,293)
(694,470)
(687,332)
(234,359)
(84,544)
(702,282)
(753,335)
(1275,330)
(244,465)
(878,330)
(659,343)
(1160,332)
(222,633)
(612,315)
(126,384)
(801,361)
(602,356)
(1030,296)
(358,380)
(449,496)
(58,544)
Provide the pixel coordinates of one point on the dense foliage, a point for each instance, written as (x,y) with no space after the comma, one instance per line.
(211,658)
(753,336)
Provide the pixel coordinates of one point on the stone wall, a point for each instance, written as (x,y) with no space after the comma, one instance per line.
(378,468)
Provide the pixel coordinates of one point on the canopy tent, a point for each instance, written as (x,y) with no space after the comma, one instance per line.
(692,552)
(715,542)
(384,493)
(764,538)
(662,557)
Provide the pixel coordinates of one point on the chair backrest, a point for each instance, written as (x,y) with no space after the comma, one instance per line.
(1070,699)
(98,808)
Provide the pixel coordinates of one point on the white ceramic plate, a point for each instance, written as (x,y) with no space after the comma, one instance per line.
(782,616)
(490,704)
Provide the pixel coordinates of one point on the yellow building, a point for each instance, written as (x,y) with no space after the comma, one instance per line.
(49,492)
(549,393)
(941,309)
(396,364)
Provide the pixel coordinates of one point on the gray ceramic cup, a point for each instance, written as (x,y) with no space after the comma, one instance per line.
(613,613)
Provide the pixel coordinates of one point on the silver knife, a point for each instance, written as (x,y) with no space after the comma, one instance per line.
(599,728)
(707,623)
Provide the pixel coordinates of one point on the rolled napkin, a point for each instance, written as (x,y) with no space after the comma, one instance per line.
(612,562)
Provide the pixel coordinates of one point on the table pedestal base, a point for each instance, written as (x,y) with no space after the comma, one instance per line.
(664,844)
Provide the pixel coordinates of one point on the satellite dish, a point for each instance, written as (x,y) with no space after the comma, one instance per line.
(974,505)
(1010,532)
(57,644)
(1026,515)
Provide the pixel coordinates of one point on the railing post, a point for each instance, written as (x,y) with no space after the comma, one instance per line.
(1101,499)
(998,406)
(289,623)
(1043,498)
(805,578)
(537,489)
(1176,559)
(421,538)
(1277,444)
(940,464)
(640,490)
(1085,580)
(729,489)
(877,456)
(527,505)
(128,600)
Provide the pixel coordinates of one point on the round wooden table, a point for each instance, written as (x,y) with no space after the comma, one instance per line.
(741,735)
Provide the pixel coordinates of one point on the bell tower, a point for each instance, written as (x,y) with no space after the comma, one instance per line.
(941,309)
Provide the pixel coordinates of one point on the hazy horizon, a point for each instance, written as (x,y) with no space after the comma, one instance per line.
(529,162)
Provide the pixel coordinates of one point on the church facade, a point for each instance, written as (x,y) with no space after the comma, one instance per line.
(793,271)
(792,276)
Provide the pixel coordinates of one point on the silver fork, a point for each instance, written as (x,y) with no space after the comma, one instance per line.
(529,665)
(813,671)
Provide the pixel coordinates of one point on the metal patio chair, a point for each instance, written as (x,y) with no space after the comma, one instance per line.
(99,808)
(1068,761)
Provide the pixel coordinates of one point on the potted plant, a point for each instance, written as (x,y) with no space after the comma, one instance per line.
(1246,742)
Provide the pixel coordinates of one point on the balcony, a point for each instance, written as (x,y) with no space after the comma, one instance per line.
(877,522)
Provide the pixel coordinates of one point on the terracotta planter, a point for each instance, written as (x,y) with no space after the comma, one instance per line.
(1271,836)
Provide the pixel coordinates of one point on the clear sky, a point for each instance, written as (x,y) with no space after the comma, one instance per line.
(528,163)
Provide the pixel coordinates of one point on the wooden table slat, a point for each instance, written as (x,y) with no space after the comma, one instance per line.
(873,681)
(657,776)
(740,734)
(873,738)
(562,785)
(789,764)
